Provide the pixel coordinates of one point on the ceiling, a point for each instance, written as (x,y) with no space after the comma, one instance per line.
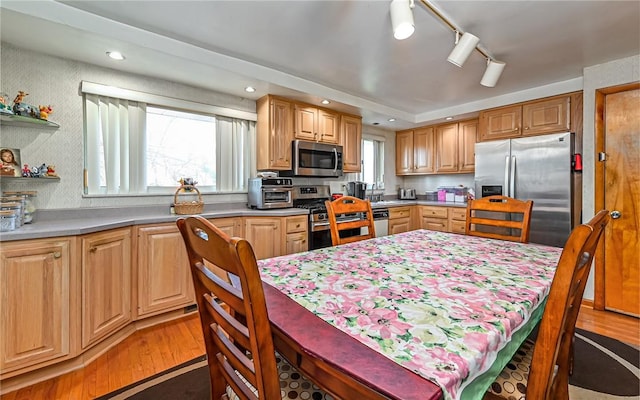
(340,50)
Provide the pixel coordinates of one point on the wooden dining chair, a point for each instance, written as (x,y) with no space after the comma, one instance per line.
(540,370)
(502,217)
(362,215)
(236,327)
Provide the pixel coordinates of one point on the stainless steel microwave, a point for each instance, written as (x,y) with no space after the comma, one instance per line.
(315,159)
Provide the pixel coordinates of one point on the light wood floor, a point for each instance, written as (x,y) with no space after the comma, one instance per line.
(155,349)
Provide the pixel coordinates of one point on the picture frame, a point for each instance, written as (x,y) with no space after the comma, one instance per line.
(10,162)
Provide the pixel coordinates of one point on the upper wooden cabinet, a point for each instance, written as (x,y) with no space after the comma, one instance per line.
(350,139)
(526,119)
(274,131)
(316,124)
(415,151)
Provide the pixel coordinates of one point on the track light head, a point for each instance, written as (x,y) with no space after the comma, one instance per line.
(492,73)
(464,47)
(402,18)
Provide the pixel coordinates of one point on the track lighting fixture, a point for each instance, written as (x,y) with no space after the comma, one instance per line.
(464,47)
(492,73)
(466,43)
(402,18)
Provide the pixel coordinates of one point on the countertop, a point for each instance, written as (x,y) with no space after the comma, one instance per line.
(57,223)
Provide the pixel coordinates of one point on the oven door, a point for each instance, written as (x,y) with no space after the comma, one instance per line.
(316,159)
(320,235)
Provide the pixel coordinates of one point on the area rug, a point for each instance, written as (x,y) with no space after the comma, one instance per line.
(604,369)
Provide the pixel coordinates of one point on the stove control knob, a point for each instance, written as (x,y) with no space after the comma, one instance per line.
(321,216)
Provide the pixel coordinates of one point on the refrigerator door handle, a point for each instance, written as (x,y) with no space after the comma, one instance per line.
(512,180)
(506,176)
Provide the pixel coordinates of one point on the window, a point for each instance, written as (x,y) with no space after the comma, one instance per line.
(136,148)
(373,162)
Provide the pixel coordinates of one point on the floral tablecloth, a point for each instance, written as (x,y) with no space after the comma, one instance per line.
(442,305)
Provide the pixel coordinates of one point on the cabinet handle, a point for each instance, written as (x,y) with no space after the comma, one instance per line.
(298,226)
(526,128)
(515,130)
(304,241)
(93,249)
(57,254)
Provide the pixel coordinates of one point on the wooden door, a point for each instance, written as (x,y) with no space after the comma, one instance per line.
(622,195)
(404,152)
(500,123)
(280,134)
(37,317)
(264,234)
(306,122)
(328,126)
(467,134)
(447,148)
(106,284)
(164,276)
(351,138)
(546,116)
(423,150)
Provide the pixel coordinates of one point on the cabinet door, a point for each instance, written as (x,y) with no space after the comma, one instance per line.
(423,150)
(328,126)
(37,316)
(404,152)
(351,138)
(548,116)
(306,122)
(264,236)
(295,240)
(232,226)
(447,148)
(106,283)
(500,123)
(296,243)
(164,276)
(435,224)
(399,225)
(280,134)
(467,134)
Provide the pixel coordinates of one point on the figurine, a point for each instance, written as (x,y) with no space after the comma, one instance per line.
(4,104)
(45,111)
(26,172)
(20,97)
(51,170)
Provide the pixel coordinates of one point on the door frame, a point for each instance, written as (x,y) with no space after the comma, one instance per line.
(599,184)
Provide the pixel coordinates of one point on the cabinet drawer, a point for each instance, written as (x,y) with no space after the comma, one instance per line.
(435,224)
(297,224)
(399,212)
(435,212)
(457,226)
(399,225)
(458,214)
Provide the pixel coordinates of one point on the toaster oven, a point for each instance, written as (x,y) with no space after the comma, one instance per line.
(268,193)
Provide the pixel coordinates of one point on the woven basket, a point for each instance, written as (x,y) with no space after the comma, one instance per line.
(188,207)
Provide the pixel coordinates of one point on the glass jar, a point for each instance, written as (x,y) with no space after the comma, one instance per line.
(15,208)
(7,220)
(29,207)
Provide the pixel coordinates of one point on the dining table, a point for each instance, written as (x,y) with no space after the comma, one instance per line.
(416,315)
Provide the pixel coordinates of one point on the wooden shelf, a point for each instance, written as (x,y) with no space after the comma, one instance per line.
(23,179)
(27,122)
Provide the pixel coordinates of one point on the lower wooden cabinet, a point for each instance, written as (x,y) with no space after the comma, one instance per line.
(457,219)
(38,317)
(296,234)
(264,234)
(399,220)
(163,275)
(106,283)
(442,218)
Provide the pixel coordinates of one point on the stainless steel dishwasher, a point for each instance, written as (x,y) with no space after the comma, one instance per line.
(381,221)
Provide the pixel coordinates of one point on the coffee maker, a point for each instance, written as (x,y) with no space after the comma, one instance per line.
(357,189)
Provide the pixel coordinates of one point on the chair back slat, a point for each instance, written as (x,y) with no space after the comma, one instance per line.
(499,217)
(235,323)
(551,363)
(354,207)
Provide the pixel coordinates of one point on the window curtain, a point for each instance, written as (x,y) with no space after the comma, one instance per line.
(236,161)
(115,140)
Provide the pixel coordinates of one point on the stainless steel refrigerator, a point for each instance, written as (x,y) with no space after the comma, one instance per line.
(537,168)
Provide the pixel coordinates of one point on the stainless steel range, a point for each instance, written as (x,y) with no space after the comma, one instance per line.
(312,198)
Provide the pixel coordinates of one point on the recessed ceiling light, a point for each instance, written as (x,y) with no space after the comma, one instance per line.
(391,120)
(249,89)
(448,118)
(116,55)
(325,101)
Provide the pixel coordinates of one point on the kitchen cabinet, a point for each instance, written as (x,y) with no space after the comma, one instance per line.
(455,144)
(350,139)
(106,283)
(415,151)
(551,115)
(457,219)
(316,124)
(296,234)
(399,220)
(274,133)
(435,218)
(163,273)
(264,234)
(39,322)
(232,226)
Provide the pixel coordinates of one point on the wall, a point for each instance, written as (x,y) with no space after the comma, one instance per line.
(618,72)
